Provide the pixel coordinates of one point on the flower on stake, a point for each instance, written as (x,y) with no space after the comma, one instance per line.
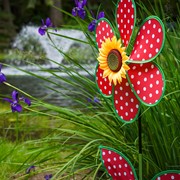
(118,166)
(14,102)
(130,79)
(45,25)
(79,9)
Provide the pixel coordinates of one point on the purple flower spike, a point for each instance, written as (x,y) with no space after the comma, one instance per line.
(14,102)
(79,9)
(42,30)
(92,25)
(2,76)
(48,176)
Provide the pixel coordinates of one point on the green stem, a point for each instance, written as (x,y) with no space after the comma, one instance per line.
(17,127)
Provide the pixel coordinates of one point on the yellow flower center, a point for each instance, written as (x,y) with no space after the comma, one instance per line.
(112,59)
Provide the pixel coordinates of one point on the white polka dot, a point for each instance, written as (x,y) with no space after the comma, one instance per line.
(149,22)
(128,10)
(145,50)
(144,27)
(137,106)
(124,5)
(105,87)
(116,101)
(138,82)
(154,26)
(157,82)
(172,177)
(153,36)
(138,91)
(132,100)
(128,21)
(151,76)
(134,67)
(114,166)
(150,95)
(99,32)
(132,16)
(157,92)
(159,30)
(117,15)
(158,40)
(119,174)
(126,113)
(150,55)
(144,88)
(151,85)
(152,66)
(157,50)
(120,166)
(109,167)
(125,173)
(138,55)
(145,79)
(127,94)
(126,103)
(104,153)
(109,160)
(121,107)
(157,72)
(142,37)
(114,158)
(127,31)
(121,10)
(125,15)
(127,84)
(109,152)
(139,73)
(131,109)
(141,46)
(131,26)
(147,41)
(115,174)
(144,98)
(146,70)
(151,45)
(148,31)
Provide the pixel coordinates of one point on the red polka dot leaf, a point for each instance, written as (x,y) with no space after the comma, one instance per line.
(134,79)
(118,166)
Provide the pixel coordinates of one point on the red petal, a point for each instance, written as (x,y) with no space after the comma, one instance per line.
(126,18)
(103,83)
(117,164)
(125,102)
(149,41)
(148,82)
(167,175)
(103,31)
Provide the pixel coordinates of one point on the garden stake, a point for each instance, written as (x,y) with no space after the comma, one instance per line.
(140,147)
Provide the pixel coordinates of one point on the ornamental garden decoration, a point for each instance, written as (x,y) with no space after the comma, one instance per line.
(129,79)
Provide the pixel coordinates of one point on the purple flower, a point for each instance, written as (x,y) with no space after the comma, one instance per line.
(42,30)
(48,176)
(14,102)
(92,25)
(79,9)
(2,76)
(29,169)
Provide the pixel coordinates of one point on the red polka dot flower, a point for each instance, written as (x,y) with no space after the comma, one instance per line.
(119,167)
(130,79)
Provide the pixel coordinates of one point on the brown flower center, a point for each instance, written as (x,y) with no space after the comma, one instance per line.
(114,60)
